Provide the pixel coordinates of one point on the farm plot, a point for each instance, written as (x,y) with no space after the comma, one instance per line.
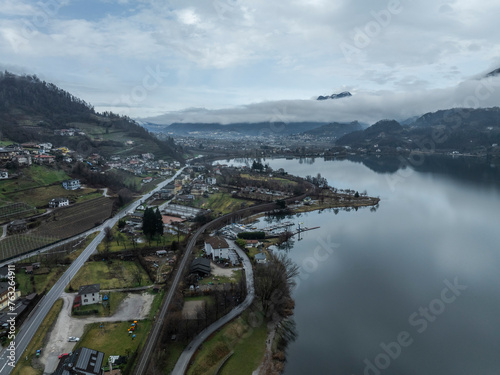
(22,243)
(67,222)
(11,211)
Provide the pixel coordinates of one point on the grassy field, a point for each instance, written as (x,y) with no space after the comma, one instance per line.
(247,343)
(114,339)
(122,242)
(281,181)
(111,275)
(32,177)
(42,282)
(32,366)
(221,202)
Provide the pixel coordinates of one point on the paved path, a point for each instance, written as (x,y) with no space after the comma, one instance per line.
(185,358)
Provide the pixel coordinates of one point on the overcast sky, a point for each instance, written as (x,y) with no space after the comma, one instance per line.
(259,60)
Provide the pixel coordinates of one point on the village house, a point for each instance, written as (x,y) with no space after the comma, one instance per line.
(83,361)
(260,258)
(218,248)
(44,159)
(89,294)
(71,184)
(22,159)
(4,295)
(58,202)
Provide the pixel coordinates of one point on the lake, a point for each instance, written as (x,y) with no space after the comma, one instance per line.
(412,287)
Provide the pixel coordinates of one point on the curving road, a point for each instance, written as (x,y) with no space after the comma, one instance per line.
(185,358)
(36,317)
(155,331)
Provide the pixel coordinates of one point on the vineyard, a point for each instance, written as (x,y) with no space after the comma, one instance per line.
(62,223)
(15,210)
(22,243)
(72,220)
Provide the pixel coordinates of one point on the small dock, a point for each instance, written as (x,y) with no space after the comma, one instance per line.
(303,229)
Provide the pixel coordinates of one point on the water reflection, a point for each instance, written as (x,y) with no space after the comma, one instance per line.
(364,274)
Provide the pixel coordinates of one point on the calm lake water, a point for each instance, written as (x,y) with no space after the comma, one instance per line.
(411,288)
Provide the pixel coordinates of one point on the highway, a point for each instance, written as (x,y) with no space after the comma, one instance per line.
(36,317)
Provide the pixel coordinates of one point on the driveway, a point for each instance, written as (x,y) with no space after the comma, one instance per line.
(133,307)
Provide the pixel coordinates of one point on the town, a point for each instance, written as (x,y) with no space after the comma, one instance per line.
(204,214)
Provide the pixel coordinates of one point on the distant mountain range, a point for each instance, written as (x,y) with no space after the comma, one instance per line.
(344,94)
(236,130)
(458,129)
(335,129)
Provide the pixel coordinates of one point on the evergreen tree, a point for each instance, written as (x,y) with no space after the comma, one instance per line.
(158,222)
(148,222)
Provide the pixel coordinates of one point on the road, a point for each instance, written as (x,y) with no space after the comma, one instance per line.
(36,317)
(185,358)
(155,331)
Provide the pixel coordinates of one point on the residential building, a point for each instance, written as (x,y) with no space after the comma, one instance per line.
(83,361)
(260,258)
(44,159)
(200,266)
(218,248)
(58,202)
(5,296)
(71,184)
(90,294)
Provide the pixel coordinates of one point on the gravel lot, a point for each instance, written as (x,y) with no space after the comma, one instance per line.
(135,306)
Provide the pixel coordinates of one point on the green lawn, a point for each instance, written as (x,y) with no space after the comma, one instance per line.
(247,343)
(111,275)
(42,282)
(114,339)
(221,202)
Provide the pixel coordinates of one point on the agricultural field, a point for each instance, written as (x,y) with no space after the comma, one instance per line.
(221,202)
(69,221)
(62,223)
(22,243)
(37,185)
(111,274)
(29,178)
(281,181)
(11,211)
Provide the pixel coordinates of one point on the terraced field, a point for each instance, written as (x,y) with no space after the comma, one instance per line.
(69,221)
(63,223)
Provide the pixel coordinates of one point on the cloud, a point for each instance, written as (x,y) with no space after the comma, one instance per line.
(224,53)
(366,107)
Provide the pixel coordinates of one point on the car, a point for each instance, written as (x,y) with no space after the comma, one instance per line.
(73,339)
(63,355)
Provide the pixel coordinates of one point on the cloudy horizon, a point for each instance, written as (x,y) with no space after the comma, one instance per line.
(245,61)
